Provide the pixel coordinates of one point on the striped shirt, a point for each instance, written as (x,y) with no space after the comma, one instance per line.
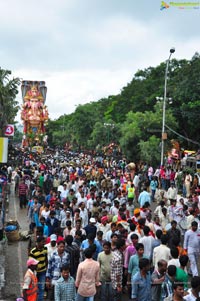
(22,189)
(41,256)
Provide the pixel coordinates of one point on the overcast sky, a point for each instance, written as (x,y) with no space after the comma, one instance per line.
(88,49)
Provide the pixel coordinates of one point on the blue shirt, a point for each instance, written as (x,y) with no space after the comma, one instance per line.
(45,229)
(141,287)
(143,198)
(85,245)
(133,266)
(153,185)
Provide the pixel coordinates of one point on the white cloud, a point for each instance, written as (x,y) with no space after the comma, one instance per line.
(66,90)
(87,50)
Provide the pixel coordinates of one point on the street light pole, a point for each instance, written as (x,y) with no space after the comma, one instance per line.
(172,50)
(109,126)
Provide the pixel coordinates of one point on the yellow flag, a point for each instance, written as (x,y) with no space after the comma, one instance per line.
(3,150)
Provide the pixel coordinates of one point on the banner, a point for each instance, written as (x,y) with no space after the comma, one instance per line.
(3,150)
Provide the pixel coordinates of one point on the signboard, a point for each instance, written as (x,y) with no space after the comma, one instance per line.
(9,130)
(3,150)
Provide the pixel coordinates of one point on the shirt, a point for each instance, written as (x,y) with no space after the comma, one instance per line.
(104,229)
(22,189)
(65,289)
(130,250)
(167,288)
(182,276)
(27,280)
(192,241)
(41,256)
(85,245)
(190,296)
(74,253)
(143,198)
(87,277)
(147,241)
(54,265)
(105,269)
(161,252)
(141,287)
(133,266)
(116,269)
(50,249)
(156,288)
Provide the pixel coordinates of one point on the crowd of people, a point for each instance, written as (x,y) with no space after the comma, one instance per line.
(106,229)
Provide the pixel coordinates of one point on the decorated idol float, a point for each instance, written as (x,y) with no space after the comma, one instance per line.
(34,113)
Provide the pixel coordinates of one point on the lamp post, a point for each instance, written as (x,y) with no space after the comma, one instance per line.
(164,137)
(109,126)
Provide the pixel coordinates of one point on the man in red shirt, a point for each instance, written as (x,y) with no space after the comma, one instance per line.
(22,190)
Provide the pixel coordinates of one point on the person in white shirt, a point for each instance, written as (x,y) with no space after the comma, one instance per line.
(171,210)
(64,192)
(194,291)
(81,198)
(175,260)
(77,228)
(158,210)
(192,246)
(136,182)
(46,211)
(187,182)
(164,219)
(107,201)
(104,226)
(83,214)
(147,240)
(78,193)
(172,192)
(113,229)
(90,202)
(115,208)
(66,218)
(52,246)
(162,251)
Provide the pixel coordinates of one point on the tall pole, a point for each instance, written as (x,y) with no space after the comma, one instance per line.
(172,50)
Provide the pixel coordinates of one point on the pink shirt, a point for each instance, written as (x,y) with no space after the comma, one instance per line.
(87,277)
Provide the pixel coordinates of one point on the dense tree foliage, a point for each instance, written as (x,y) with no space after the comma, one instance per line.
(133,118)
(8,104)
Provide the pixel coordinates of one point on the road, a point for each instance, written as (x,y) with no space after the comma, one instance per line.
(16,252)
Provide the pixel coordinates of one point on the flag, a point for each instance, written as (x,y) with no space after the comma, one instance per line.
(3,150)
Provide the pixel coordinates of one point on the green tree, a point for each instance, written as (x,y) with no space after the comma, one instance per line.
(150,150)
(8,104)
(185,92)
(140,126)
(17,138)
(136,111)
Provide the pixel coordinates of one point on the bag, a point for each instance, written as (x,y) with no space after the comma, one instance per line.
(10,228)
